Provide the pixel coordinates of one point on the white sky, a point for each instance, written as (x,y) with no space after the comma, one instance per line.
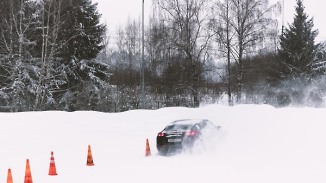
(116,12)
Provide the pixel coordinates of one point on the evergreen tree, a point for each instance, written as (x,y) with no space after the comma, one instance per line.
(298,48)
(82,33)
(18,74)
(80,40)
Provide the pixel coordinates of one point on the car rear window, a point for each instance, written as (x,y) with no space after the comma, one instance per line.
(178,127)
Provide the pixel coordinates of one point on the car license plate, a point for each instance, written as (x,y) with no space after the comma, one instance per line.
(174,140)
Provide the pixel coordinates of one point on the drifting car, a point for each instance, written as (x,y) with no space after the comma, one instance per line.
(182,135)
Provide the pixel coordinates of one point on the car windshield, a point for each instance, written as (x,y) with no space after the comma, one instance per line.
(178,127)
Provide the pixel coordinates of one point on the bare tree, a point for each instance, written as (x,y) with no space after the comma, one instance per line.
(50,16)
(128,53)
(221,25)
(187,31)
(243,28)
(133,44)
(15,42)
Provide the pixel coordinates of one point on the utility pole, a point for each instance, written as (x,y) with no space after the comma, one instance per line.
(142,63)
(282,17)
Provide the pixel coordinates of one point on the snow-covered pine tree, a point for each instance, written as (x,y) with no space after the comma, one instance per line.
(80,40)
(82,33)
(19,78)
(45,35)
(297,54)
(297,46)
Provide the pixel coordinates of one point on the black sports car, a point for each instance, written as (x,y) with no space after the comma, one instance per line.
(181,135)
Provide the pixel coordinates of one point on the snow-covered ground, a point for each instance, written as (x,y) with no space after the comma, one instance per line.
(258,144)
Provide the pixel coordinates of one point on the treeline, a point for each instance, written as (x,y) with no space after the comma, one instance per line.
(202,51)
(47,55)
(187,43)
(56,55)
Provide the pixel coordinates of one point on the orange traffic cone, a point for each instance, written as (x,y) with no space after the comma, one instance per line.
(28,174)
(89,157)
(9,177)
(148,150)
(52,169)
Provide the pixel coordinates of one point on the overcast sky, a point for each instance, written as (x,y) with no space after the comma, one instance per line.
(116,12)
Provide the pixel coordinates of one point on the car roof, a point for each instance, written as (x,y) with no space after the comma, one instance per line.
(187,121)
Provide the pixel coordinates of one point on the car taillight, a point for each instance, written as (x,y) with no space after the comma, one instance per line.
(191,133)
(161,134)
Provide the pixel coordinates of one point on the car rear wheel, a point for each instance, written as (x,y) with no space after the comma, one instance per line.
(163,151)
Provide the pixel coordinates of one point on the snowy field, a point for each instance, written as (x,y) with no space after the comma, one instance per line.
(258,144)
